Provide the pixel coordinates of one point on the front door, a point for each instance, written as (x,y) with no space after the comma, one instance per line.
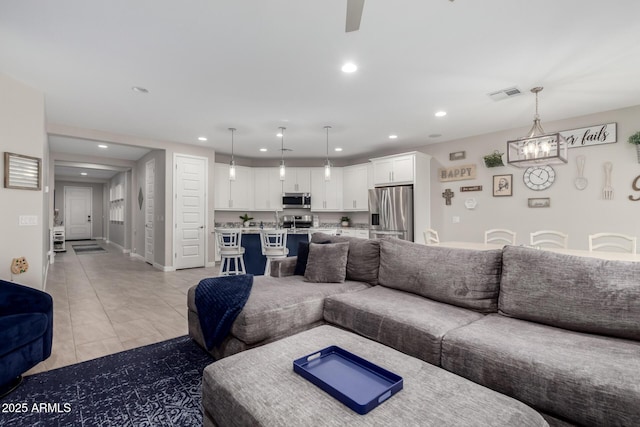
(77,213)
(190,216)
(150,173)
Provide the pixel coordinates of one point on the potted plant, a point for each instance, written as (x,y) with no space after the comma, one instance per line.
(494,159)
(344,221)
(635,140)
(245,219)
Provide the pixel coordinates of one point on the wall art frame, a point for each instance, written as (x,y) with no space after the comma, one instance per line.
(22,172)
(503,185)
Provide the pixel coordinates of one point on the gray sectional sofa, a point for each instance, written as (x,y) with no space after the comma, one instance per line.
(560,333)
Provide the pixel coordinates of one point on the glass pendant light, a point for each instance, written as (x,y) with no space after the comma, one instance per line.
(327,163)
(282,168)
(232,163)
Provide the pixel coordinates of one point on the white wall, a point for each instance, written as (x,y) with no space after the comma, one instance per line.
(22,131)
(578,213)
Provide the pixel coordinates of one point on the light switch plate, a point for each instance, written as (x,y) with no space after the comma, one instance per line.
(28,220)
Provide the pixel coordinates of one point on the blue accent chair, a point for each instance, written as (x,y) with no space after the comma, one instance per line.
(26,332)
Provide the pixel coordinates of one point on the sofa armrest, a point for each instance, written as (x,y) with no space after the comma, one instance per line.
(19,299)
(282,267)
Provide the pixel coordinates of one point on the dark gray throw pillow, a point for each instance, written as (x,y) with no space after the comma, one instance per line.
(303,256)
(327,263)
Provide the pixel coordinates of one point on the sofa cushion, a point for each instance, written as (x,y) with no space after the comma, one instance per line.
(303,257)
(572,292)
(327,263)
(464,277)
(589,379)
(276,306)
(407,322)
(364,256)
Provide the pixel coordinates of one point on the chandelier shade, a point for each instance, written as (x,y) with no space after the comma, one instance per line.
(283,170)
(327,163)
(232,163)
(537,147)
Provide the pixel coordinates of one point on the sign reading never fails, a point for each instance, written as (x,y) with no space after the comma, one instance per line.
(593,135)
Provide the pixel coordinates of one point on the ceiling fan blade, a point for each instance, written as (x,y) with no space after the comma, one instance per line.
(354,14)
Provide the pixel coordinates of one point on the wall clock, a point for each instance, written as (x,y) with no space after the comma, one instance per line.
(539,177)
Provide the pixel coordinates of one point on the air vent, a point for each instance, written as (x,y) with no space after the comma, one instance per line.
(505,93)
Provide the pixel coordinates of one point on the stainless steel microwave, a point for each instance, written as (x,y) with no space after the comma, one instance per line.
(296,201)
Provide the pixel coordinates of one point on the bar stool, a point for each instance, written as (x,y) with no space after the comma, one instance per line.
(230,245)
(274,245)
(549,239)
(615,242)
(500,235)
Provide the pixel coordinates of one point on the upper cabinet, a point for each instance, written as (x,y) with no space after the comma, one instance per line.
(393,169)
(326,195)
(233,195)
(355,195)
(267,189)
(297,180)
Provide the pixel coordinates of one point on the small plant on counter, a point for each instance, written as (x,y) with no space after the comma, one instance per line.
(245,219)
(344,221)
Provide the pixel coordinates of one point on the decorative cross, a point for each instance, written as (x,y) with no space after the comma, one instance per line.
(448,195)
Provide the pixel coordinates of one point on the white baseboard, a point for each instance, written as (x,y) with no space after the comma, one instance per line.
(135,255)
(210,264)
(164,268)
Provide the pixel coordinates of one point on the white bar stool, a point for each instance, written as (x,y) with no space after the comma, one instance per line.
(230,245)
(274,245)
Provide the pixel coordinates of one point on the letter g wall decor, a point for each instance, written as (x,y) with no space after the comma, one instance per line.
(457,173)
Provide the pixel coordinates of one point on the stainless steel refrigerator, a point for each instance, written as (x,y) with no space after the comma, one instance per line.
(391,212)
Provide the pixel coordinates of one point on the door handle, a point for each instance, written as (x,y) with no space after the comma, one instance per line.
(88,218)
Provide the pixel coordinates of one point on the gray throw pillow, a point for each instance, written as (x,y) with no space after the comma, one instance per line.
(364,256)
(327,263)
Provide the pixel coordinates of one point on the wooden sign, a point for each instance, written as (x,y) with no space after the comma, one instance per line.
(457,173)
(471,188)
(635,187)
(593,135)
(458,155)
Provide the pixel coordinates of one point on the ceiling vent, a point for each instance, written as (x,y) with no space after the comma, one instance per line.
(505,93)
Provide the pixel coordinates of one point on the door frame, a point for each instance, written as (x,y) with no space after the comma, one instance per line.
(146,206)
(174,197)
(66,212)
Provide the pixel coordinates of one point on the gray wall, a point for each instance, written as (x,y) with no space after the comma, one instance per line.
(578,213)
(98,229)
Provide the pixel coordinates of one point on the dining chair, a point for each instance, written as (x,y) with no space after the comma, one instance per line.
(500,235)
(549,239)
(431,236)
(274,245)
(231,251)
(612,242)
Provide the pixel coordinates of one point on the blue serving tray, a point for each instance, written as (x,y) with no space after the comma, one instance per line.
(354,381)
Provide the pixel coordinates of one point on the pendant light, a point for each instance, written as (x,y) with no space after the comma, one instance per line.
(327,163)
(537,147)
(232,163)
(282,168)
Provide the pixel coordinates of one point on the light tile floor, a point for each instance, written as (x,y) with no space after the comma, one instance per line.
(109,302)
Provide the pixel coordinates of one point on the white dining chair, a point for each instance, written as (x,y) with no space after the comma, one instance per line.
(274,245)
(612,242)
(500,235)
(431,236)
(549,239)
(231,251)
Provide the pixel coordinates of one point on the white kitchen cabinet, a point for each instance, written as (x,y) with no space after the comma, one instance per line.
(393,169)
(267,189)
(326,195)
(297,180)
(233,195)
(355,194)
(355,232)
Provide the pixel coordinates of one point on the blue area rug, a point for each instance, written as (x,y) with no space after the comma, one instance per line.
(155,385)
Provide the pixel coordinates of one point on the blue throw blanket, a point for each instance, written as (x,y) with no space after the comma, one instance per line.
(219,300)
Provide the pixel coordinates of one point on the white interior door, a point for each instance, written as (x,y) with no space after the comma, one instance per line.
(190,215)
(149,211)
(77,212)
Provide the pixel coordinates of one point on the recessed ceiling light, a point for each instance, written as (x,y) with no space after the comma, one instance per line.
(393,136)
(83,173)
(435,135)
(202,138)
(337,149)
(139,89)
(263,149)
(103,146)
(441,113)
(349,67)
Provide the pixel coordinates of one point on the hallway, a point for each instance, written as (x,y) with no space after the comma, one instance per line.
(109,302)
